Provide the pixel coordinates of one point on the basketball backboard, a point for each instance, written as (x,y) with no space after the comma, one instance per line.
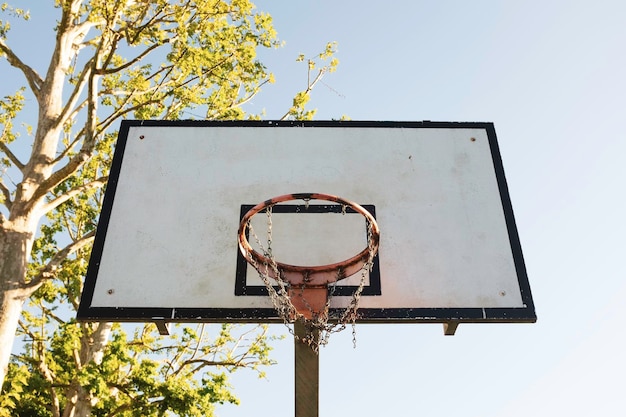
(166,246)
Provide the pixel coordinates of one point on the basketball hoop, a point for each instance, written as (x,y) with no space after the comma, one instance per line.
(304,292)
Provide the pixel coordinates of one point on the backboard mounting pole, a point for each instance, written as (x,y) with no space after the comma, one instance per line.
(307,374)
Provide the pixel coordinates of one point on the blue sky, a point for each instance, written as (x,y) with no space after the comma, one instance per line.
(551,75)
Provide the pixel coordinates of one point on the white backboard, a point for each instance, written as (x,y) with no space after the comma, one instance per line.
(166,245)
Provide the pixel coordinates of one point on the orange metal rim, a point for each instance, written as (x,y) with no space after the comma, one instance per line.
(310,276)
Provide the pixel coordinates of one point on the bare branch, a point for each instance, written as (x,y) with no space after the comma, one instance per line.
(34,80)
(11,156)
(52,267)
(50,377)
(64,173)
(100,182)
(83,28)
(7,197)
(105,71)
(200,338)
(69,147)
(201,363)
(70,107)
(121,111)
(26,329)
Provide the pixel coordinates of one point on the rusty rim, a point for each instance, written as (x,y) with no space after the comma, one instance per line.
(310,276)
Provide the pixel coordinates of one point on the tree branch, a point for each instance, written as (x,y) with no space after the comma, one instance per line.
(69,147)
(7,197)
(309,88)
(92,348)
(34,80)
(105,71)
(40,363)
(100,182)
(49,312)
(120,111)
(205,362)
(27,331)
(246,99)
(11,156)
(64,173)
(118,410)
(67,111)
(52,266)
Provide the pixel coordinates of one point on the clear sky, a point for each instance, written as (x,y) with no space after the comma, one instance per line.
(551,75)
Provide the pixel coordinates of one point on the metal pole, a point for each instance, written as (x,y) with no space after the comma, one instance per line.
(306,375)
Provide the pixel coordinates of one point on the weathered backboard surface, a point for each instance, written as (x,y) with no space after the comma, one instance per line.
(166,244)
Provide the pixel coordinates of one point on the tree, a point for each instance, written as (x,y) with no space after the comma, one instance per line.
(139,59)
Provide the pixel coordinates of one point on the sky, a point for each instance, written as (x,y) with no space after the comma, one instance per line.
(551,76)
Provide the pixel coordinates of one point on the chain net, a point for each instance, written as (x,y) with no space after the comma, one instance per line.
(322,323)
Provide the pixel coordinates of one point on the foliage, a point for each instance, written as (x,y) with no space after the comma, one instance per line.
(315,74)
(144,374)
(159,59)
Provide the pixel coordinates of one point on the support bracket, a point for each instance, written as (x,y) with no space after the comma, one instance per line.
(449,327)
(162,325)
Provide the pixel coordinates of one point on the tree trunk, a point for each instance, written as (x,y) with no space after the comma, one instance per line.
(80,402)
(11,308)
(15,246)
(17,233)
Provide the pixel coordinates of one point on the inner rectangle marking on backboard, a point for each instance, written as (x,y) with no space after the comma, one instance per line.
(294,242)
